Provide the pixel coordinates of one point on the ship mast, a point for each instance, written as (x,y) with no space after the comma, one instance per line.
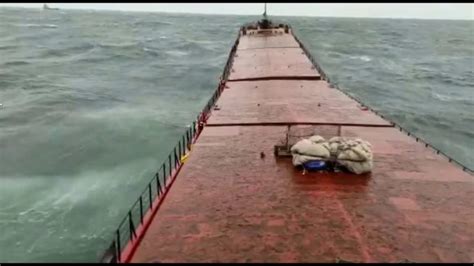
(265,23)
(265,11)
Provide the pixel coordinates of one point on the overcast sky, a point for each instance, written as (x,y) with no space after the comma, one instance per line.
(386,10)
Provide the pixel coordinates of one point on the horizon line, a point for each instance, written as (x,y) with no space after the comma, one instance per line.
(225,14)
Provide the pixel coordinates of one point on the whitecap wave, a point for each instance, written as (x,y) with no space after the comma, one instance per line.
(177,53)
(118,45)
(448,98)
(37,25)
(364,58)
(151,51)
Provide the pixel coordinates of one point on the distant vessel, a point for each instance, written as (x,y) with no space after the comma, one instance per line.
(46,7)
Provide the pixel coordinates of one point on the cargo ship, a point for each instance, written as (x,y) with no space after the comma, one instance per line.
(228,193)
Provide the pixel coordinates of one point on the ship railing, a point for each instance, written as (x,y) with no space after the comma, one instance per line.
(155,189)
(315,63)
(131,227)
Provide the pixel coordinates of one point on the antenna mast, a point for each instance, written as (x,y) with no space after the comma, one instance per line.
(265,11)
(265,23)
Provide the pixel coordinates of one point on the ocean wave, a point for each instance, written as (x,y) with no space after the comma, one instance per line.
(68,53)
(446,78)
(326,45)
(450,98)
(52,26)
(193,47)
(16,63)
(6,47)
(151,51)
(151,23)
(391,34)
(177,53)
(441,97)
(163,23)
(118,45)
(455,41)
(362,58)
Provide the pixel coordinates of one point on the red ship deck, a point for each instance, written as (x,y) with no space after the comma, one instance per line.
(228,204)
(288,102)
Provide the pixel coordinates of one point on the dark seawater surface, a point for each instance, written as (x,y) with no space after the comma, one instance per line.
(93,101)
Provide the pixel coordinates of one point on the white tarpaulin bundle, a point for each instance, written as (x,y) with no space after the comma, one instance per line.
(354,154)
(306,150)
